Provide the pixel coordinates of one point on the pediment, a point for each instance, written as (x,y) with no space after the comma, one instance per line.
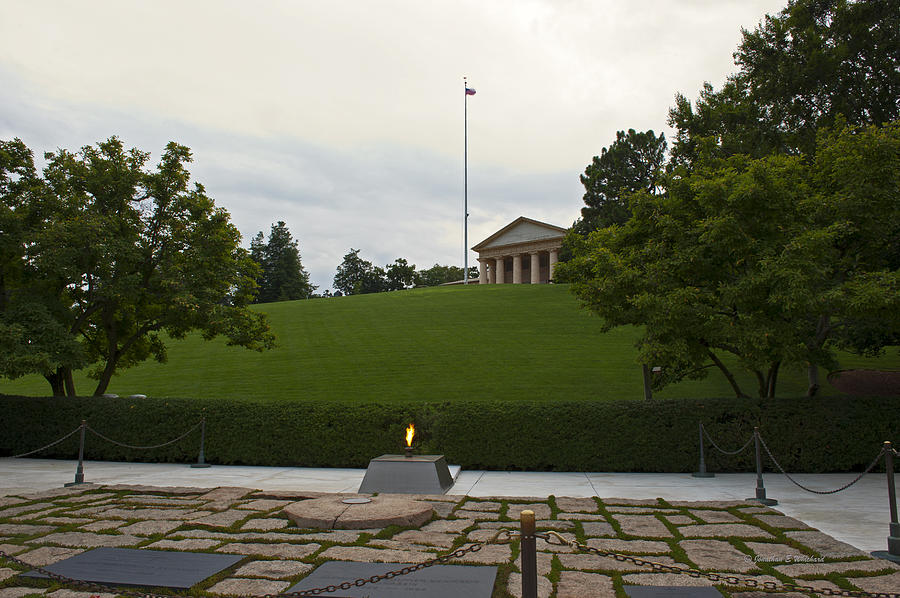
(521,230)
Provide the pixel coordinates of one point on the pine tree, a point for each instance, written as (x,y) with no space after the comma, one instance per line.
(282,277)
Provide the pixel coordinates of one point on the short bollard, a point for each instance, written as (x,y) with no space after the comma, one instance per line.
(893,551)
(200,458)
(702,473)
(528,554)
(79,471)
(760,488)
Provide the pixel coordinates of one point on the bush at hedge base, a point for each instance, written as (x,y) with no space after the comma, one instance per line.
(813,435)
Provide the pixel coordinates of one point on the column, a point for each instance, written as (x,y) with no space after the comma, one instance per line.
(517,268)
(498,270)
(535,268)
(482,271)
(554,257)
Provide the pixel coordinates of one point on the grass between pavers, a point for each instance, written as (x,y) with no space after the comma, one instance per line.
(35,510)
(507,342)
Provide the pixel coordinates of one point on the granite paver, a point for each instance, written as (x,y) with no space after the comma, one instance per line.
(273,569)
(576,584)
(248,587)
(47,555)
(285,551)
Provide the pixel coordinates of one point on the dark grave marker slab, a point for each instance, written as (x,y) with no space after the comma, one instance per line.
(438,581)
(132,567)
(672,592)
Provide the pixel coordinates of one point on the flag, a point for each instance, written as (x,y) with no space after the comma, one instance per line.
(470,91)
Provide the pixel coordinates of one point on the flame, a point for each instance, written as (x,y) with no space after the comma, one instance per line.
(410,432)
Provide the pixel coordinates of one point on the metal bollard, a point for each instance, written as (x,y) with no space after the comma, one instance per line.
(702,473)
(893,551)
(760,488)
(79,471)
(200,458)
(528,554)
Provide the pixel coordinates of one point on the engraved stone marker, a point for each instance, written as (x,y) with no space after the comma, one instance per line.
(438,581)
(672,592)
(132,567)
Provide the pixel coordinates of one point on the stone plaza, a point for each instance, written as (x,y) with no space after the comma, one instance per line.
(738,538)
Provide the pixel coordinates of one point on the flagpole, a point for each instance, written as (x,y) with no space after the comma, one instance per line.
(466,94)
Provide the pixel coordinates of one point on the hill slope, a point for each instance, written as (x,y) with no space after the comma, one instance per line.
(497,341)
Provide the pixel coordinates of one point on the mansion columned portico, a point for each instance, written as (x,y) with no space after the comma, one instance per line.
(522,252)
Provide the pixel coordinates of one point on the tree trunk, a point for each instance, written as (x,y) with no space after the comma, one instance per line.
(728,375)
(56,383)
(70,383)
(762,384)
(106,376)
(812,373)
(773,379)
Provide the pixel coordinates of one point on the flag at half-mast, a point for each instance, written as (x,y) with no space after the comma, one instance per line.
(469,91)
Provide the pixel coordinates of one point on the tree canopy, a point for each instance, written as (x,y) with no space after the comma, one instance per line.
(774,236)
(633,162)
(814,63)
(112,259)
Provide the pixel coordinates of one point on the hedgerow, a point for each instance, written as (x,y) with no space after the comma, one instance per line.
(828,434)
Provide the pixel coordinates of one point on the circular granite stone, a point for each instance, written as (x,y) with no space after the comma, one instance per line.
(331,513)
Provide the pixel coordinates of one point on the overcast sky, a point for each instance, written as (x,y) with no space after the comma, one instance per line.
(345,118)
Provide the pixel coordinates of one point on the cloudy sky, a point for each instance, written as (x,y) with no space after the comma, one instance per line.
(345,118)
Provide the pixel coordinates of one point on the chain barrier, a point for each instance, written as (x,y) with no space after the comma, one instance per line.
(769,586)
(798,484)
(54,443)
(501,537)
(155,446)
(723,451)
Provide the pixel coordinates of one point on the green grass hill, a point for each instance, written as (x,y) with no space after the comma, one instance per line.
(437,344)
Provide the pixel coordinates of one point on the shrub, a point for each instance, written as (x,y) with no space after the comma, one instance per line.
(830,434)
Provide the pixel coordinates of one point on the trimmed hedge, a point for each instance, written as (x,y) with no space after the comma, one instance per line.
(811,435)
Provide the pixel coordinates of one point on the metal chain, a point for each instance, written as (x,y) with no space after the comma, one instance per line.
(716,446)
(844,487)
(769,586)
(501,537)
(48,446)
(155,446)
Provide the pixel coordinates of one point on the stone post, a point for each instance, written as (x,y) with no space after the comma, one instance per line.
(498,270)
(517,268)
(482,271)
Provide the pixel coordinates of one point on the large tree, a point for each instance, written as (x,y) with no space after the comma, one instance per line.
(801,70)
(633,162)
(770,261)
(127,257)
(282,277)
(34,322)
(351,273)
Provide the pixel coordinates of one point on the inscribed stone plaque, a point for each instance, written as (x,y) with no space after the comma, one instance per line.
(132,567)
(671,592)
(438,581)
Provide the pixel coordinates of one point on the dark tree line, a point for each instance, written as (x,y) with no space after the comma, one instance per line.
(357,276)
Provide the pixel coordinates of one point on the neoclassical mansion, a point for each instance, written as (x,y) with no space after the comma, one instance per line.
(525,251)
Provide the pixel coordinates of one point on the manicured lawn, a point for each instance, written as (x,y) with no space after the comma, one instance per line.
(506,341)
